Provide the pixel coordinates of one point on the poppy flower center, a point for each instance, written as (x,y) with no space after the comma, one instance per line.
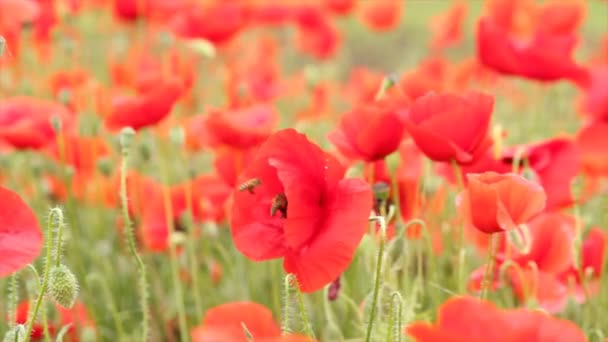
(279,203)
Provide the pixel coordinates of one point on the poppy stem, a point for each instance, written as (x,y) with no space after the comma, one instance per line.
(489,272)
(461,251)
(126,138)
(168,207)
(377,281)
(54,223)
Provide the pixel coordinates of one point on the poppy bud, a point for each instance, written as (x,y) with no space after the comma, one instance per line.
(16,333)
(126,138)
(63,286)
(381,191)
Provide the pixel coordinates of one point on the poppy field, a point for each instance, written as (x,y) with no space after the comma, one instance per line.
(304,170)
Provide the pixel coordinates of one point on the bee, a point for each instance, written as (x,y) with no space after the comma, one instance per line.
(250,185)
(279,203)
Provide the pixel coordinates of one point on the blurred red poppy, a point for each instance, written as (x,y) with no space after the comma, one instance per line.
(20,235)
(340,7)
(592,141)
(317,34)
(381,15)
(447,27)
(13,14)
(146,109)
(498,202)
(25,122)
(556,163)
(77,317)
(450,127)
(207,194)
(300,208)
(225,323)
(243,127)
(469,319)
(545,56)
(218,22)
(594,101)
(371,131)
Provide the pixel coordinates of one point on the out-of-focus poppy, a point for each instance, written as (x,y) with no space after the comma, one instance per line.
(230,162)
(371,131)
(450,127)
(21,236)
(469,319)
(340,7)
(317,34)
(592,141)
(225,323)
(13,14)
(243,127)
(208,195)
(77,317)
(544,53)
(545,272)
(139,111)
(381,15)
(594,101)
(299,207)
(25,122)
(499,202)
(447,27)
(218,22)
(555,162)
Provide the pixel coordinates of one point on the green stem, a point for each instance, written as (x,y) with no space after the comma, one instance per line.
(13,298)
(181,310)
(130,236)
(372,315)
(47,267)
(489,272)
(110,304)
(303,313)
(194,265)
(460,245)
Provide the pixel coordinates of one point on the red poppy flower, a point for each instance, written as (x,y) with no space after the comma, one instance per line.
(218,23)
(26,122)
(556,163)
(340,7)
(381,15)
(77,317)
(13,14)
(447,27)
(592,141)
(225,323)
(498,202)
(545,56)
(230,162)
(371,131)
(20,235)
(81,152)
(146,109)
(595,97)
(317,35)
(450,127)
(469,319)
(300,208)
(242,128)
(208,193)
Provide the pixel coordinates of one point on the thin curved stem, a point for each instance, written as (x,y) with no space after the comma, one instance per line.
(372,315)
(47,267)
(130,236)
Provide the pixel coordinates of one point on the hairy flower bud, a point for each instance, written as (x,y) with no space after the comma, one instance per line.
(63,286)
